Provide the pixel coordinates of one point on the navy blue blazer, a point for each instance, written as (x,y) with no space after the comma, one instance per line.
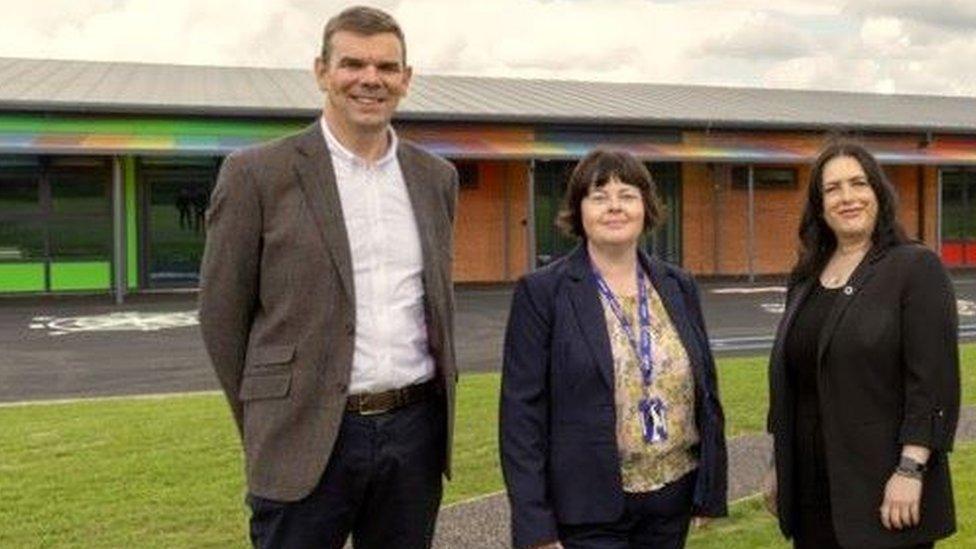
(558,444)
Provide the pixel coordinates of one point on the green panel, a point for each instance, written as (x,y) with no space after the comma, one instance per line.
(81,275)
(21,277)
(131,222)
(30,123)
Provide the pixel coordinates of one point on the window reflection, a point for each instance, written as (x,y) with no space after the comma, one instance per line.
(179,193)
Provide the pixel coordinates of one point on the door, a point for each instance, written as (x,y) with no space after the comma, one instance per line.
(176,196)
(959,217)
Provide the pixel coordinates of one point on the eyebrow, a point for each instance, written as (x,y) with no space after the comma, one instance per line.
(380,63)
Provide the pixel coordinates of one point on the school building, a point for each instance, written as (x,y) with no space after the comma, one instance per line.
(106,168)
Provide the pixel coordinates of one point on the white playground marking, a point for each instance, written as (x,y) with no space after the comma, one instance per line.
(964,306)
(742,291)
(132,321)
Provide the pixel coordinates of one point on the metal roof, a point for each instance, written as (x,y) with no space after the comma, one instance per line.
(114,87)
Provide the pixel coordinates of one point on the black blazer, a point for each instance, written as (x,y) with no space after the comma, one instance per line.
(887,375)
(558,446)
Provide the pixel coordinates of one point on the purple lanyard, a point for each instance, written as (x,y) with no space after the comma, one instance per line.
(643,350)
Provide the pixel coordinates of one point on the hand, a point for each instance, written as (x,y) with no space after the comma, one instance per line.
(769,491)
(901,505)
(550,545)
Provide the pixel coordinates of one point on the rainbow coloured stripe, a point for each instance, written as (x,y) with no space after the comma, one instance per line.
(78,134)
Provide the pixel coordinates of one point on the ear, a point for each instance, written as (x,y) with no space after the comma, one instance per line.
(407,78)
(321,69)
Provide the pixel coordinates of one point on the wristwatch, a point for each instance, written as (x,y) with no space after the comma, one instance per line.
(910,468)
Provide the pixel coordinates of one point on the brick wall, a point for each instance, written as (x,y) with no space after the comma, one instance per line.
(715,221)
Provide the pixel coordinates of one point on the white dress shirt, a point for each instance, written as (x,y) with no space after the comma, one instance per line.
(387,269)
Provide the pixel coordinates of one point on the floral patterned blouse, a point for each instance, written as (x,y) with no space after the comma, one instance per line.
(646,467)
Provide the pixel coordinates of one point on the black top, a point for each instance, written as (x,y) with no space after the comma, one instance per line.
(801,347)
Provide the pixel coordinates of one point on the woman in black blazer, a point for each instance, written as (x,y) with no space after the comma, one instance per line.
(611,427)
(864,373)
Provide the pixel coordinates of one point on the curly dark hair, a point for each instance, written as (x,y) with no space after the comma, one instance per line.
(594,170)
(817,239)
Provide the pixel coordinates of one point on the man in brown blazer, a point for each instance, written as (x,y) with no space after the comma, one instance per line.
(326,307)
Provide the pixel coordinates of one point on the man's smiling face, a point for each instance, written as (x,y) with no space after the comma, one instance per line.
(364,79)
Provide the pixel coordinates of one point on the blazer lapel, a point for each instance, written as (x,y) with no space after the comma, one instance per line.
(858,278)
(672,297)
(415,177)
(590,317)
(416,180)
(789,315)
(317,179)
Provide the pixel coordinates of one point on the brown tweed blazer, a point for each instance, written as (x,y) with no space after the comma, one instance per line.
(277,308)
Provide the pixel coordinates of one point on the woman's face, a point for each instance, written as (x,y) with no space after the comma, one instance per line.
(613,214)
(850,207)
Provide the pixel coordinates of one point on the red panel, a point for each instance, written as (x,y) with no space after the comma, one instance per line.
(952,253)
(970,254)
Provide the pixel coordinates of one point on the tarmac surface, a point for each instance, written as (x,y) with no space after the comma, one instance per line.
(82,346)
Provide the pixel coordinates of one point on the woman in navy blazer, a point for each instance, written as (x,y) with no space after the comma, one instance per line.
(611,425)
(864,373)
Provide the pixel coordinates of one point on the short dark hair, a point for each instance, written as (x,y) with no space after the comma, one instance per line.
(817,239)
(595,170)
(362,20)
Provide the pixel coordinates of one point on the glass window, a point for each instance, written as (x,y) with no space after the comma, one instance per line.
(19,194)
(665,242)
(953,205)
(764,177)
(80,194)
(177,201)
(551,180)
(81,239)
(21,240)
(32,163)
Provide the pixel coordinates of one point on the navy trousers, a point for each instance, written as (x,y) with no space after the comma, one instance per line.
(382,485)
(657,520)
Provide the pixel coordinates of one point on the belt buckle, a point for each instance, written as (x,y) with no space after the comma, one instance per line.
(364,403)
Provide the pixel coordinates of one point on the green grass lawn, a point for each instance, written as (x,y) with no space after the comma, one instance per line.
(167,472)
(749,526)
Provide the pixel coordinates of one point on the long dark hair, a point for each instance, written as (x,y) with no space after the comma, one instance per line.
(817,240)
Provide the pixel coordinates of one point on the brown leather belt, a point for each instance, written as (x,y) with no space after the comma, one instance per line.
(368,404)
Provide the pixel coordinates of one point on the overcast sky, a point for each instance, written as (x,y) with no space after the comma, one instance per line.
(900,46)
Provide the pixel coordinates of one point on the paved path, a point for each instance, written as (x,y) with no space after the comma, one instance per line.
(483,523)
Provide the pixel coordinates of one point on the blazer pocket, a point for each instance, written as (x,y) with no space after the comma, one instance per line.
(269,355)
(261,387)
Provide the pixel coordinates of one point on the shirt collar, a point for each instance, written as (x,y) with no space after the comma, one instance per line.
(337,148)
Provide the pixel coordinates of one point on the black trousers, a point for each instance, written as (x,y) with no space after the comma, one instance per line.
(657,520)
(382,485)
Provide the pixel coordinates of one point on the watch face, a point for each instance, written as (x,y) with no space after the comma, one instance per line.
(909,464)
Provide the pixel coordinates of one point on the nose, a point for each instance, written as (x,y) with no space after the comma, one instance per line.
(614,204)
(846,193)
(370,76)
